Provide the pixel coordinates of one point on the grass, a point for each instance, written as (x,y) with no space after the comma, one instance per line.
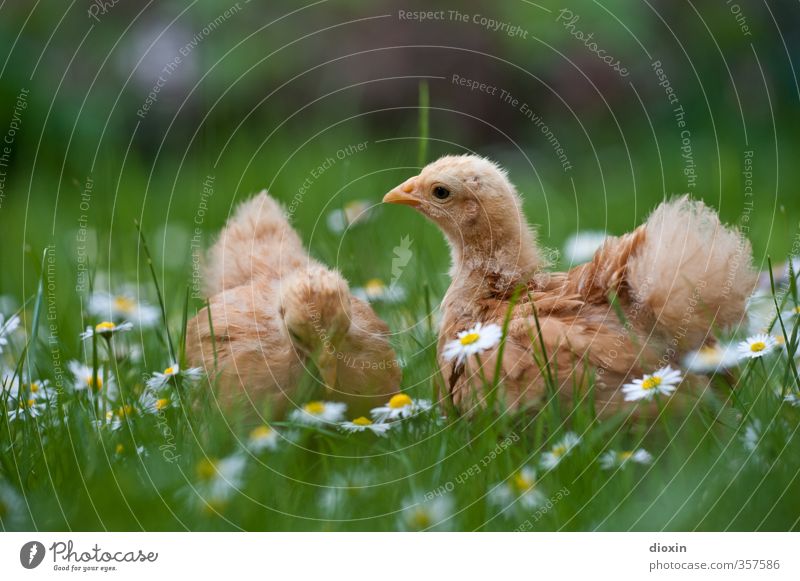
(728,462)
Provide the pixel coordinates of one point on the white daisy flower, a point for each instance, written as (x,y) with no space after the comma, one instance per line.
(363,424)
(26,408)
(114,419)
(757,346)
(219,479)
(262,438)
(40,390)
(614,459)
(793,400)
(343,488)
(151,403)
(791,314)
(316,413)
(189,376)
(106,329)
(472,342)
(83,376)
(561,449)
(521,487)
(123,306)
(752,435)
(664,382)
(6,328)
(581,246)
(431,515)
(400,406)
(711,358)
(375,290)
(352,213)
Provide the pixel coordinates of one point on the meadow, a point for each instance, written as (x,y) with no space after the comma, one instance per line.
(113,195)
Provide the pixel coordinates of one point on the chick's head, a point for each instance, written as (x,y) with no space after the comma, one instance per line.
(472,200)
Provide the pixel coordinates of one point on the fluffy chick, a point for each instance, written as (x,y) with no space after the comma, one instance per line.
(274,309)
(676,278)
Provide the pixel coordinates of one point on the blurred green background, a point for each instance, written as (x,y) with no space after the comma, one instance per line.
(146,101)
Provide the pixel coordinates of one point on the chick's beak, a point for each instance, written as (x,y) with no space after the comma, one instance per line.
(406,194)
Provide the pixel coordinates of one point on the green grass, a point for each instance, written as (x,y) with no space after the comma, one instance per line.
(61,472)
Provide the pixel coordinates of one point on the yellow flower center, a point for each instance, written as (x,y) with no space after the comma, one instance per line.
(362,421)
(398,401)
(314,408)
(124,304)
(559,450)
(125,410)
(34,387)
(374,287)
(120,448)
(90,381)
(757,346)
(420,519)
(469,338)
(170,370)
(105,327)
(625,456)
(522,483)
(30,403)
(162,404)
(261,432)
(780,340)
(651,382)
(796,310)
(206,469)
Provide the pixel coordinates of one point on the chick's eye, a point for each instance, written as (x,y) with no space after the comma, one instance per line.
(441,193)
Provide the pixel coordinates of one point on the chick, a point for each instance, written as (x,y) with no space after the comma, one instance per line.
(274,310)
(674,279)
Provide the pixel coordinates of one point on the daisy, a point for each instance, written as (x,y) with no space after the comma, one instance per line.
(103,304)
(400,406)
(752,435)
(664,381)
(353,486)
(613,459)
(106,329)
(83,376)
(427,516)
(39,390)
(791,314)
(352,213)
(520,487)
(115,418)
(6,328)
(26,408)
(160,379)
(316,413)
(473,341)
(262,438)
(151,403)
(793,400)
(220,478)
(581,246)
(552,458)
(375,290)
(363,424)
(711,358)
(757,346)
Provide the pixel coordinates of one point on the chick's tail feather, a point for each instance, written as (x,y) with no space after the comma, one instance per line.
(689,271)
(256,241)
